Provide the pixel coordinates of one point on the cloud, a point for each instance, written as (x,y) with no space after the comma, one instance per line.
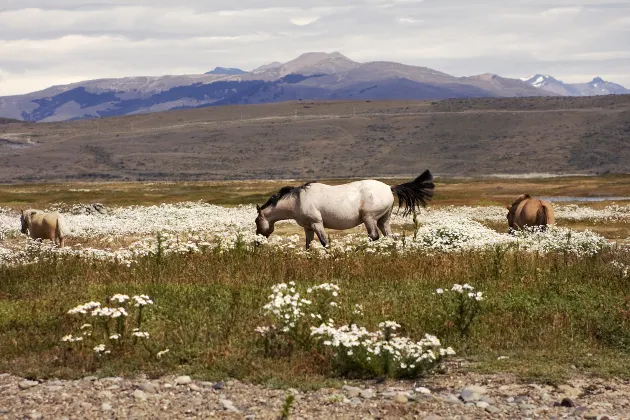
(43,43)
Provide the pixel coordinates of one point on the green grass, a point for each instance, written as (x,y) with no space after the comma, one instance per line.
(545,312)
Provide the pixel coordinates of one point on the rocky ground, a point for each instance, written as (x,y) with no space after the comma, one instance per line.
(459,396)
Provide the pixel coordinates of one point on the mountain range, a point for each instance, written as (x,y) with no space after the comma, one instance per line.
(311,76)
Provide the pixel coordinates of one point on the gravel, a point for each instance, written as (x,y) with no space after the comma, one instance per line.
(435,398)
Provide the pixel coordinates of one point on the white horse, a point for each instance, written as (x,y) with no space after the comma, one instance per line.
(316,206)
(42,225)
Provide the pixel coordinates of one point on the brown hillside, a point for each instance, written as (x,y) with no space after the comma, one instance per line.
(310,140)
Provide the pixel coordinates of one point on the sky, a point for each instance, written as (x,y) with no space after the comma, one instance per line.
(51,42)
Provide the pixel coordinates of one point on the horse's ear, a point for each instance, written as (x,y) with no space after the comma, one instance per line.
(257,208)
(507,206)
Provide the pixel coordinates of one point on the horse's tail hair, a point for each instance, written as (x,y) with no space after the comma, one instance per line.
(415,193)
(60,228)
(541,216)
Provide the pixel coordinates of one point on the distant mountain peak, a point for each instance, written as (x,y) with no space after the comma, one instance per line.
(226,70)
(597,86)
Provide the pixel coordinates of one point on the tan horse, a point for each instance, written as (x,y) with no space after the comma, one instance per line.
(528,211)
(42,225)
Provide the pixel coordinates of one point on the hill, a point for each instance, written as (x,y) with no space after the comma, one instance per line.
(312,140)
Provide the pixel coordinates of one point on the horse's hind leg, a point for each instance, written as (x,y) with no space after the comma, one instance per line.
(372,228)
(383,224)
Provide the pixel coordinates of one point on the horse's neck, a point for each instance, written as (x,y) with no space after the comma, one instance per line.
(285,209)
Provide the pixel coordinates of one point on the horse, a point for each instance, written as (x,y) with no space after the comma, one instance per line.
(316,206)
(42,225)
(528,211)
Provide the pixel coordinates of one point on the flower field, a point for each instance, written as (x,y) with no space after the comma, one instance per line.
(188,287)
(125,234)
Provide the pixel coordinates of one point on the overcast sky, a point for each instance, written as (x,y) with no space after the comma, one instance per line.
(47,42)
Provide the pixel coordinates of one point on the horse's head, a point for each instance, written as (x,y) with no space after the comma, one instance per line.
(25,220)
(510,215)
(263,226)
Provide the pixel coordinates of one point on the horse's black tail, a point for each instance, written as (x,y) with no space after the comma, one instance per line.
(415,193)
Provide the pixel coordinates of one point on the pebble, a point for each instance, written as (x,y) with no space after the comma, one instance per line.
(401,398)
(54,388)
(482,404)
(468,395)
(106,394)
(183,380)
(35,415)
(90,378)
(228,406)
(590,416)
(106,407)
(567,402)
(452,399)
(356,401)
(367,394)
(194,387)
(26,384)
(140,395)
(147,387)
(492,409)
(86,405)
(351,391)
(218,385)
(423,390)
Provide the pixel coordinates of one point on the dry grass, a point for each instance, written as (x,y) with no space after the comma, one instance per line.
(556,310)
(449,191)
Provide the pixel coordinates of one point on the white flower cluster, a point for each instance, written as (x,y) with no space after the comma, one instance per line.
(623,269)
(105,316)
(70,338)
(466,290)
(141,334)
(161,353)
(369,346)
(85,308)
(142,300)
(101,349)
(107,312)
(287,306)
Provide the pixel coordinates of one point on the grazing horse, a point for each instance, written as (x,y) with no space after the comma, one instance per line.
(42,225)
(528,211)
(316,206)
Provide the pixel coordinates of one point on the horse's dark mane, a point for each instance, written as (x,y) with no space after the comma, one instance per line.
(286,191)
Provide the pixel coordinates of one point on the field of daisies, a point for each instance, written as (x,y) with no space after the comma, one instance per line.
(190,288)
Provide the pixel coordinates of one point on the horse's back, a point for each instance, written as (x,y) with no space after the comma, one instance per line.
(343,206)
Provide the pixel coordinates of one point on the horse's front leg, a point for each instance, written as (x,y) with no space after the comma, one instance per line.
(310,234)
(321,233)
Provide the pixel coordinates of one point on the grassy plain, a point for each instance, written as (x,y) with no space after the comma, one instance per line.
(552,315)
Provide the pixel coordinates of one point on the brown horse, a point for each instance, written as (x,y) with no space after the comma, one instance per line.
(528,211)
(42,225)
